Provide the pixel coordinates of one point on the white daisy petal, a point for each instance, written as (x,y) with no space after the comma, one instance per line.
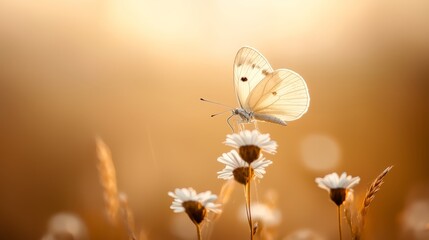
(260,163)
(247,137)
(225,175)
(343,180)
(232,160)
(238,162)
(171,194)
(206,197)
(182,195)
(353,182)
(333,181)
(321,183)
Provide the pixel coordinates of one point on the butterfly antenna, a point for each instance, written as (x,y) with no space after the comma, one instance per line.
(205,100)
(214,115)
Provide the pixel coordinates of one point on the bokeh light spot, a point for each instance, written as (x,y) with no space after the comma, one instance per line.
(320,152)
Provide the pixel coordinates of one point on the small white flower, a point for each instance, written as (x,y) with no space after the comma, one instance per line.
(182,195)
(333,181)
(238,169)
(338,187)
(249,138)
(263,214)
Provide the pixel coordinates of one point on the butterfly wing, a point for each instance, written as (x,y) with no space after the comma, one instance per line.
(250,68)
(281,96)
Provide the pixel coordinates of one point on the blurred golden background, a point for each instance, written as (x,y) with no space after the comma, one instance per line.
(132,72)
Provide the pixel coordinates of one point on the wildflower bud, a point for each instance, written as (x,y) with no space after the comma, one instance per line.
(241,170)
(338,195)
(249,153)
(195,210)
(241,174)
(337,186)
(195,205)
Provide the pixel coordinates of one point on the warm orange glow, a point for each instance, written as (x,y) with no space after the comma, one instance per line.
(132,72)
(320,152)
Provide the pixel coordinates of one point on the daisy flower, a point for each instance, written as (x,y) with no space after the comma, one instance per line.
(337,186)
(195,205)
(238,169)
(264,214)
(250,144)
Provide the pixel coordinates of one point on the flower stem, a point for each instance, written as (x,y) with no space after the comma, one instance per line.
(198,231)
(339,221)
(248,210)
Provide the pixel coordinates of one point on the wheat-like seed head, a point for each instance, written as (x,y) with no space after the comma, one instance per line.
(373,189)
(127,216)
(107,172)
(350,212)
(369,197)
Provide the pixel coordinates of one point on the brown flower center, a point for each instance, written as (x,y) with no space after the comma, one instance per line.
(195,210)
(338,195)
(241,174)
(249,153)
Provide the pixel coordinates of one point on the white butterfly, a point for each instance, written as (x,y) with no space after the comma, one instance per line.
(264,94)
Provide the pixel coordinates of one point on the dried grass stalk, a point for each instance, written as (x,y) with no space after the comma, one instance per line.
(127,216)
(224,195)
(226,191)
(350,212)
(373,189)
(107,173)
(369,197)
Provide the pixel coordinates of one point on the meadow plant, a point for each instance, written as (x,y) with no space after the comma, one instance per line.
(243,164)
(356,218)
(195,205)
(338,188)
(246,164)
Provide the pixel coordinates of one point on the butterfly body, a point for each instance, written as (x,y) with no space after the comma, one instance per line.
(248,116)
(245,116)
(264,94)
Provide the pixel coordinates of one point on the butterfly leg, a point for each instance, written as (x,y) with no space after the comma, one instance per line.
(237,123)
(255,125)
(242,126)
(228,121)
